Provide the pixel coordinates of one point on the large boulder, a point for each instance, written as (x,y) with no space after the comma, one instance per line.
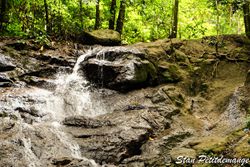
(102,37)
(119,68)
(5,64)
(122,138)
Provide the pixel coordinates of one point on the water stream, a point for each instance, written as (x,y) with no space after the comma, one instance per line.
(48,109)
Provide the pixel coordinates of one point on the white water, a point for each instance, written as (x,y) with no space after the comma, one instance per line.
(71,97)
(30,156)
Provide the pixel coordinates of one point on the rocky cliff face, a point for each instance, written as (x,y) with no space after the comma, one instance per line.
(139,105)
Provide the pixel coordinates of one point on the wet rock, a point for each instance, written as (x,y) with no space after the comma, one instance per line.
(4,78)
(116,146)
(5,81)
(54,59)
(61,161)
(113,144)
(39,82)
(102,37)
(81,121)
(134,107)
(32,111)
(119,68)
(6,64)
(43,71)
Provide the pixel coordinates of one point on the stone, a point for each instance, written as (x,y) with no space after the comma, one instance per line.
(119,68)
(39,82)
(85,122)
(32,111)
(130,130)
(175,95)
(6,64)
(102,37)
(169,73)
(5,81)
(180,56)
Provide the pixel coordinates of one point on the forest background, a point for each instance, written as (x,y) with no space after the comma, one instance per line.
(136,20)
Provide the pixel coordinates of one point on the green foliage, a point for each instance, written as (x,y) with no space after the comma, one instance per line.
(146,20)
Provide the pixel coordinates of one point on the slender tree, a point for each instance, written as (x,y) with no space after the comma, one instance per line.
(81,13)
(217,27)
(46,16)
(3,13)
(246,13)
(173,33)
(97,15)
(112,15)
(121,16)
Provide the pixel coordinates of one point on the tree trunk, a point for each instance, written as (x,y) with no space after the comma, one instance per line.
(175,20)
(81,16)
(246,13)
(121,17)
(97,15)
(3,13)
(47,29)
(112,15)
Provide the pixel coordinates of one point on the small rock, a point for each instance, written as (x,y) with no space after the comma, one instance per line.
(157,98)
(32,111)
(169,73)
(134,107)
(175,95)
(5,81)
(85,122)
(39,82)
(180,56)
(6,64)
(61,161)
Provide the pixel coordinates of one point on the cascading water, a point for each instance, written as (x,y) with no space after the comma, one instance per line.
(40,112)
(70,97)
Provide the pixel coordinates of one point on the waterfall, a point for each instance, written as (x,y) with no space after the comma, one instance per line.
(42,111)
(71,97)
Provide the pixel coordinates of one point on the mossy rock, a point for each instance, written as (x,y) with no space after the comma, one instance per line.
(180,56)
(145,72)
(169,73)
(102,37)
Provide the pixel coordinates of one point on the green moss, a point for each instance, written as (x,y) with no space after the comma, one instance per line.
(145,72)
(170,72)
